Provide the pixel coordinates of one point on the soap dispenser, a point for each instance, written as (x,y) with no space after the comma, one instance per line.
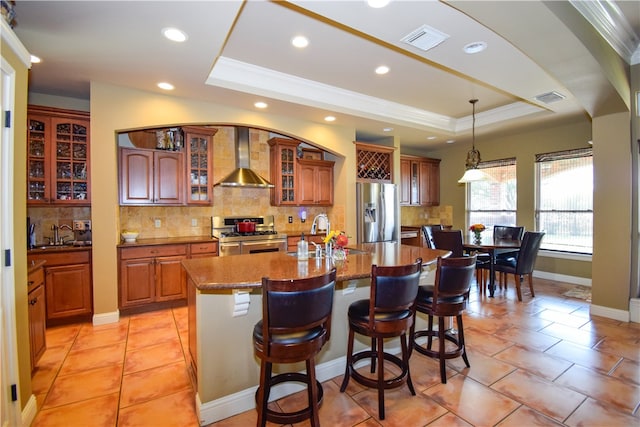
(303,249)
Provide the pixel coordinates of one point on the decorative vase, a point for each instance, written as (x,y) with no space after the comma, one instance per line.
(477,237)
(339,254)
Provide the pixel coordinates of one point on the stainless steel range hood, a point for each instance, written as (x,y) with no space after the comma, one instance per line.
(243,176)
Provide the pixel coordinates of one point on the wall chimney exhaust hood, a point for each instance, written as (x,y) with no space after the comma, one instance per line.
(242,176)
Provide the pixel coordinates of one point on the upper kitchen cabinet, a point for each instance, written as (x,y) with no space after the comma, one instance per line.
(151,177)
(199,143)
(419,181)
(375,163)
(299,181)
(58,157)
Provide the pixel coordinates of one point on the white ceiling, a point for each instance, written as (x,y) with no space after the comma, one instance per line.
(240,52)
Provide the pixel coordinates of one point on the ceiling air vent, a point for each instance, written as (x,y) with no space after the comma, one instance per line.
(425,38)
(550,97)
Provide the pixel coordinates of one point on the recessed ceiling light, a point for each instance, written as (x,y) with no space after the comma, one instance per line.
(165,86)
(330,119)
(260,104)
(174,34)
(383,69)
(377,4)
(474,47)
(387,129)
(450,141)
(35,59)
(300,41)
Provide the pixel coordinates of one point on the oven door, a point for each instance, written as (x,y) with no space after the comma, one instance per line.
(263,246)
(232,248)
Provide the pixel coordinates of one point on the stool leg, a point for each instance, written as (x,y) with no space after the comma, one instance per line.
(381,379)
(312,389)
(461,340)
(263,392)
(430,328)
(441,331)
(347,369)
(373,359)
(405,359)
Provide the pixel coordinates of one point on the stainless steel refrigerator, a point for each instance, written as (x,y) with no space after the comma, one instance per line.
(377,212)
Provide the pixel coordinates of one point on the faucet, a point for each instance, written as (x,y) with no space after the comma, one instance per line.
(314,225)
(57,240)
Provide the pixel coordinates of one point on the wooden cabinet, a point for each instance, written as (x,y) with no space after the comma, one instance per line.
(205,249)
(67,284)
(292,241)
(58,166)
(151,177)
(315,182)
(152,274)
(419,181)
(374,162)
(298,181)
(37,315)
(283,167)
(199,143)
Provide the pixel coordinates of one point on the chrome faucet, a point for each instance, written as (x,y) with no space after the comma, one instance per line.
(57,240)
(314,225)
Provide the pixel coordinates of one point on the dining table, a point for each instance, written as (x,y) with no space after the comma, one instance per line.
(492,246)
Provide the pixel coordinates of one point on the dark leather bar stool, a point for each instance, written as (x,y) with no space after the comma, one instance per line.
(296,323)
(389,312)
(447,298)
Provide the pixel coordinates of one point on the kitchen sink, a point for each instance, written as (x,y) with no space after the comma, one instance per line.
(58,247)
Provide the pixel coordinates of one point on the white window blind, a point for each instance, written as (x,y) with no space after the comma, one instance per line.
(564,200)
(493,202)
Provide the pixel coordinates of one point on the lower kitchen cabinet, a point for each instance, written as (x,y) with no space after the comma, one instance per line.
(37,315)
(68,285)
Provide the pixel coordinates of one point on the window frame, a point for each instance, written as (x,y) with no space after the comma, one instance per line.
(507,162)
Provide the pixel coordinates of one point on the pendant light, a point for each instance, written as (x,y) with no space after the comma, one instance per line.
(473,156)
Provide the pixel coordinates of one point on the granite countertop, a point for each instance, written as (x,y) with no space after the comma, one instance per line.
(167,241)
(246,271)
(56,249)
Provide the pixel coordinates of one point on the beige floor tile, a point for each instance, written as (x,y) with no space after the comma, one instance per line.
(61,335)
(449,420)
(524,416)
(536,362)
(425,371)
(100,337)
(152,320)
(628,370)
(97,412)
(93,358)
(571,334)
(484,369)
(531,339)
(180,315)
(594,413)
(153,383)
(43,377)
(612,391)
(485,342)
(550,399)
(566,319)
(628,348)
(527,321)
(584,356)
(83,386)
(153,356)
(472,401)
(138,340)
(169,411)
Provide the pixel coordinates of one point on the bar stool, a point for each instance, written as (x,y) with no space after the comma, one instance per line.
(389,312)
(296,323)
(447,298)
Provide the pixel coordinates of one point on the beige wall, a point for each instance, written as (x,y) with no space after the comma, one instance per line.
(116,109)
(19,117)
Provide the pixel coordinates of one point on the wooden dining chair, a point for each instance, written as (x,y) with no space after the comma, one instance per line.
(501,232)
(451,240)
(523,264)
(427,231)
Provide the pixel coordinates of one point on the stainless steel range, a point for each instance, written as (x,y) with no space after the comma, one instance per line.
(258,235)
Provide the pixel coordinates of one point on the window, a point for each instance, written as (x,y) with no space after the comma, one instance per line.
(493,202)
(564,200)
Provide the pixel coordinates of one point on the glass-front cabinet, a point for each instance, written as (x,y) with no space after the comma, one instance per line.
(199,145)
(58,157)
(283,170)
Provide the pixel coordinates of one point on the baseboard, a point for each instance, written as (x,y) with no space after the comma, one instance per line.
(584,281)
(30,411)
(634,310)
(105,318)
(610,313)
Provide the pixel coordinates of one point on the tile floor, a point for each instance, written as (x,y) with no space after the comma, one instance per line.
(544,361)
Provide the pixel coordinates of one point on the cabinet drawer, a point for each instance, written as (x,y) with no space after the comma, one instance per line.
(153,251)
(62,258)
(204,248)
(36,278)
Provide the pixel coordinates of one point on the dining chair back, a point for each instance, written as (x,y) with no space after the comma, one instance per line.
(524,262)
(427,231)
(450,240)
(508,232)
(296,323)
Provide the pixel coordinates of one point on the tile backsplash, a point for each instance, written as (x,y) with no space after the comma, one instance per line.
(419,215)
(46,217)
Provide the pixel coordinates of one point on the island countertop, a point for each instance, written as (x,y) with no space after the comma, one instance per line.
(247,271)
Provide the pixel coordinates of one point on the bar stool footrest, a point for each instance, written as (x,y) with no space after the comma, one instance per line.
(451,354)
(372,382)
(296,416)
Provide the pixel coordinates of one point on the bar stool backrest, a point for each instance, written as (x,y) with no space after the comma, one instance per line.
(450,240)
(394,288)
(453,277)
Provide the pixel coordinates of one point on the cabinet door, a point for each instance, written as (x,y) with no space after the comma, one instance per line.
(315,182)
(405,182)
(199,146)
(37,324)
(70,161)
(283,155)
(171,281)
(430,183)
(137,282)
(38,160)
(324,194)
(306,184)
(136,177)
(169,178)
(68,291)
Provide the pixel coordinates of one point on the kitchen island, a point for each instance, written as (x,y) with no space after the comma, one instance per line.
(224,300)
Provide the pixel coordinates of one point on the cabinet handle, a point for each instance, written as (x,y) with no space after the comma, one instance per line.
(31,282)
(33,301)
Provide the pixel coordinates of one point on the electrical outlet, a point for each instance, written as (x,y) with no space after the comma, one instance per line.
(194,222)
(157,223)
(290,220)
